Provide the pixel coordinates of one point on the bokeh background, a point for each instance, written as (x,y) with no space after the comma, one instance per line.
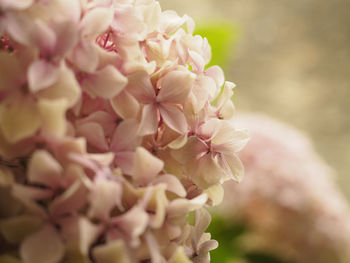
(291,60)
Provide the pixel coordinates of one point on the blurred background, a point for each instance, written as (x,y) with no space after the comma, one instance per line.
(290,60)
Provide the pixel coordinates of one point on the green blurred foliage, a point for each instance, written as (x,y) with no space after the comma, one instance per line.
(230,250)
(222,37)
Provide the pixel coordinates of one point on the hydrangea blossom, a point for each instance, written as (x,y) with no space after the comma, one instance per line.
(100,102)
(288,199)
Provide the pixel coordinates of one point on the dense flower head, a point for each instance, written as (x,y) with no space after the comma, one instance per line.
(288,200)
(112,132)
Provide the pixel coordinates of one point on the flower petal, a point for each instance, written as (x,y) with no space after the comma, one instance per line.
(44,246)
(133,222)
(20,118)
(125,136)
(53,115)
(175,87)
(70,201)
(112,252)
(103,197)
(232,166)
(105,83)
(140,87)
(41,74)
(85,56)
(44,169)
(146,166)
(94,134)
(172,183)
(125,105)
(15,229)
(16,5)
(149,120)
(96,21)
(66,87)
(174,118)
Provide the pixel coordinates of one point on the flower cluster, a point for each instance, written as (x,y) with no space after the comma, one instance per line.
(112,132)
(288,199)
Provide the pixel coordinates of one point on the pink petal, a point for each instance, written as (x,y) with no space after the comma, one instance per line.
(190,151)
(85,56)
(125,105)
(174,118)
(104,196)
(44,38)
(175,87)
(94,134)
(141,87)
(172,183)
(229,139)
(133,222)
(210,128)
(96,21)
(149,120)
(105,83)
(44,246)
(125,161)
(79,233)
(41,74)
(106,120)
(70,201)
(16,5)
(125,136)
(19,27)
(67,35)
(146,166)
(44,169)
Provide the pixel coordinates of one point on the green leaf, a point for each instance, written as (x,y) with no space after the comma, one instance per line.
(222,37)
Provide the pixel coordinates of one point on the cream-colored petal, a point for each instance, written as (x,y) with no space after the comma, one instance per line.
(20,118)
(15,229)
(113,252)
(146,166)
(53,116)
(66,87)
(44,169)
(44,246)
(125,105)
